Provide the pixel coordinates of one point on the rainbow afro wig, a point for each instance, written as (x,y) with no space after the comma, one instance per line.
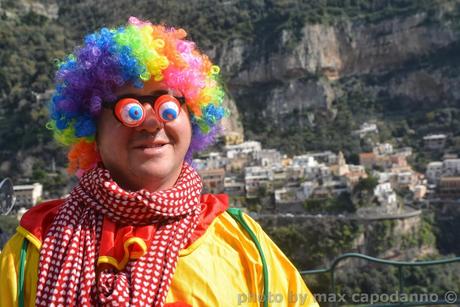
(132,54)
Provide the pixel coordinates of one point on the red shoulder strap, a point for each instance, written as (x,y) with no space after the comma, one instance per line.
(213,206)
(38,219)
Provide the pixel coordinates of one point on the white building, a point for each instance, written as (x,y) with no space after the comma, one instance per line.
(383,149)
(214,160)
(451,167)
(213,180)
(316,158)
(434,171)
(405,179)
(255,178)
(296,194)
(435,141)
(285,195)
(294,172)
(233,187)
(324,172)
(327,157)
(304,161)
(366,128)
(337,187)
(28,195)
(280,176)
(258,171)
(248,147)
(403,151)
(383,176)
(268,157)
(310,167)
(386,196)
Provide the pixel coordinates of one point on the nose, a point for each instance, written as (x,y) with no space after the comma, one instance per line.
(151,122)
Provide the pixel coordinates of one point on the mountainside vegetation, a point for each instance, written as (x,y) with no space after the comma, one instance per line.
(303,74)
(33,41)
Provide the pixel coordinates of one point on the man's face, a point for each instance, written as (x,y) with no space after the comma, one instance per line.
(149,156)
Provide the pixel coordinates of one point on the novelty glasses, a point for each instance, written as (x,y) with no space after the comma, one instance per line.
(131,112)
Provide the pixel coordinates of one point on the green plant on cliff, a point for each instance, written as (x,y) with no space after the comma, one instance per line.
(379,279)
(29,47)
(31,43)
(331,205)
(381,237)
(427,236)
(363,192)
(313,243)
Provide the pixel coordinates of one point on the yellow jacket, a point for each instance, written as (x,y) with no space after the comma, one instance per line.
(221,268)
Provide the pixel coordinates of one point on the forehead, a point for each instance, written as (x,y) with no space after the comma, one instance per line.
(149,88)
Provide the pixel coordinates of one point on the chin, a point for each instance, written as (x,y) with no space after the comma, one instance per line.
(157,170)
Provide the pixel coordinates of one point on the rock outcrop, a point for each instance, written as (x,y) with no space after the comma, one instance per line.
(404,54)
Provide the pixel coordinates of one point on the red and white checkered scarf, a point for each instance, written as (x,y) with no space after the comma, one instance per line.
(67,269)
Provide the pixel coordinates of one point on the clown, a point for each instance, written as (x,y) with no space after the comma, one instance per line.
(134,103)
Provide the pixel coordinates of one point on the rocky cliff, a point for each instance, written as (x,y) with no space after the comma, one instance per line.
(405,57)
(286,69)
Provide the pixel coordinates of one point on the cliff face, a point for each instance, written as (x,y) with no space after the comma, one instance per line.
(310,67)
(404,238)
(17,8)
(274,71)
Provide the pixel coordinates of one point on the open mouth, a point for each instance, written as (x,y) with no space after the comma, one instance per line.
(153,145)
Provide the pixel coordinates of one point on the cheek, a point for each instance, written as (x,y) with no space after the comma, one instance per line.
(180,134)
(110,136)
(187,131)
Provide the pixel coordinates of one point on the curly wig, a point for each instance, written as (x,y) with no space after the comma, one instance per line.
(131,54)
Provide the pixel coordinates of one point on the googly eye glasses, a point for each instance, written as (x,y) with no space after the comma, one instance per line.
(130,111)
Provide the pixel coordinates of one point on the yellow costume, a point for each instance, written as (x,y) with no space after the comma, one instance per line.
(221,268)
